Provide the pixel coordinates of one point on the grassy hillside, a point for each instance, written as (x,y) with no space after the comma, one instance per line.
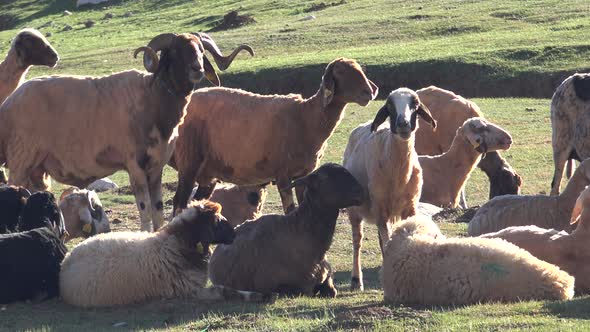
(477,48)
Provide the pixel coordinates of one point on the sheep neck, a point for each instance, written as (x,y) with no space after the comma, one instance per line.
(317,221)
(12,74)
(320,119)
(567,199)
(492,164)
(172,108)
(459,161)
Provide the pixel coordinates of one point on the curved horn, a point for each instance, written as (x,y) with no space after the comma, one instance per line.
(222,62)
(88,193)
(150,58)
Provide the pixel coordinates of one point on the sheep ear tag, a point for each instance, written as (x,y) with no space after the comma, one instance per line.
(475,144)
(87,229)
(200,248)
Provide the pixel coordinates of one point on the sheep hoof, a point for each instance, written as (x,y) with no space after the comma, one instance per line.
(356,284)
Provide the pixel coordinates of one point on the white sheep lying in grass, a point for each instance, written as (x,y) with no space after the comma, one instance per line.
(129,267)
(538,210)
(444,176)
(568,251)
(421,267)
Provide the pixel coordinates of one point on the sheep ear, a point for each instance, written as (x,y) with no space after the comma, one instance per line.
(380,117)
(210,73)
(328,84)
(424,113)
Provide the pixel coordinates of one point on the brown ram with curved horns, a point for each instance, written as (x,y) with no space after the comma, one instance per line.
(127,120)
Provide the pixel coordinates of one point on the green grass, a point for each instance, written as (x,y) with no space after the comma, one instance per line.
(480,43)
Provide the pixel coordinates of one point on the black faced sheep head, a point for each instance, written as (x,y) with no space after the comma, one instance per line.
(41,210)
(345,80)
(200,225)
(33,49)
(505,181)
(331,186)
(12,202)
(485,136)
(403,106)
(183,62)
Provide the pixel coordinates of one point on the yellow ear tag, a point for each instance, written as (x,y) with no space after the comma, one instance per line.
(327,92)
(475,145)
(87,228)
(200,248)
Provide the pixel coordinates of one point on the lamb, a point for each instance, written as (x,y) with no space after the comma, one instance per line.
(570,124)
(444,176)
(12,202)
(421,267)
(83,213)
(384,161)
(30,259)
(240,203)
(539,210)
(451,111)
(287,254)
(286,134)
(131,267)
(28,48)
(568,251)
(127,120)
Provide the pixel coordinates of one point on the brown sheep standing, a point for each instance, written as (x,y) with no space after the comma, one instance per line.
(127,121)
(264,137)
(451,111)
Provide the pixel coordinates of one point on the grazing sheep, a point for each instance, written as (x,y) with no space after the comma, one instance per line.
(127,120)
(130,267)
(422,268)
(30,259)
(384,161)
(568,251)
(29,48)
(286,134)
(451,111)
(538,210)
(12,202)
(83,213)
(570,124)
(240,203)
(444,176)
(287,254)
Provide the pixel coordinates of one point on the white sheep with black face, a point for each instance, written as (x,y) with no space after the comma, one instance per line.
(83,213)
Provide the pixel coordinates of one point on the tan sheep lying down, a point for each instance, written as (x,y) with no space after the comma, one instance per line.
(83,212)
(539,210)
(130,267)
(568,251)
(444,176)
(422,267)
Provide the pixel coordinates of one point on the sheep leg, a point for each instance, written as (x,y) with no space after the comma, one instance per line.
(286,194)
(385,230)
(462,199)
(222,293)
(299,190)
(559,160)
(356,278)
(186,181)
(157,208)
(139,184)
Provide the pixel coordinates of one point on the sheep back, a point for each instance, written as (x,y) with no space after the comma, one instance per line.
(422,270)
(128,267)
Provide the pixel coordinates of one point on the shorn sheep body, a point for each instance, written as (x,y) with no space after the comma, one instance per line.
(539,210)
(287,254)
(422,268)
(127,120)
(30,258)
(83,213)
(240,203)
(451,111)
(568,251)
(131,267)
(383,159)
(286,134)
(570,125)
(444,176)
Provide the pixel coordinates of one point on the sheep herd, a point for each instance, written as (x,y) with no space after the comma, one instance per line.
(421,147)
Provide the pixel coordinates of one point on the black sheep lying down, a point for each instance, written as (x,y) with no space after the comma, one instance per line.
(30,260)
(12,203)
(287,254)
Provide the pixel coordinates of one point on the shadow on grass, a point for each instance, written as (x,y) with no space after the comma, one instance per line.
(576,308)
(370,279)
